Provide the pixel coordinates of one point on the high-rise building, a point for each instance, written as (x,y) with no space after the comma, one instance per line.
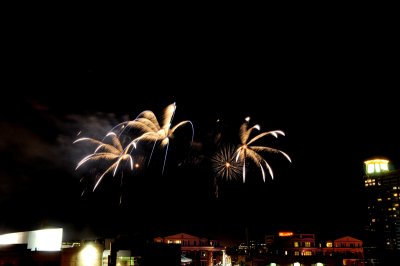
(382,196)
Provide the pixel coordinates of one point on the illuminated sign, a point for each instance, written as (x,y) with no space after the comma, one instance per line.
(40,240)
(285,233)
(45,239)
(14,238)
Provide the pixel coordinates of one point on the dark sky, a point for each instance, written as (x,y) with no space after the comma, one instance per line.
(330,87)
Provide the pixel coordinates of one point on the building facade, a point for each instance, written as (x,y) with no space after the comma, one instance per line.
(382,197)
(348,248)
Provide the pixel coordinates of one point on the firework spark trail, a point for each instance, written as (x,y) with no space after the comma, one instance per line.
(147,123)
(113,152)
(252,152)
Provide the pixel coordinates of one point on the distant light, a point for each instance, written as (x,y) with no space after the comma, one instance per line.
(89,255)
(247,119)
(296,264)
(319,264)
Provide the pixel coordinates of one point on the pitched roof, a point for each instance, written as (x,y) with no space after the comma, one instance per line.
(347,239)
(182,236)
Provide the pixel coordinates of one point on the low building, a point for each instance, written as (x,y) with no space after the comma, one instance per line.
(349,248)
(304,248)
(202,251)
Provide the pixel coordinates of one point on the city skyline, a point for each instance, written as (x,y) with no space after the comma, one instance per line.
(326,169)
(330,87)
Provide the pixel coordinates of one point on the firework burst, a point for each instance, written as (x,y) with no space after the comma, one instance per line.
(225,166)
(112,152)
(249,151)
(147,124)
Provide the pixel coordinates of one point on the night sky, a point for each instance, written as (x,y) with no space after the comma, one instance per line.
(330,88)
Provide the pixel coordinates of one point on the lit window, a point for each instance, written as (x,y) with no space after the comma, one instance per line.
(377,167)
(384,166)
(308,244)
(328,244)
(307,253)
(296,244)
(370,168)
(379,199)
